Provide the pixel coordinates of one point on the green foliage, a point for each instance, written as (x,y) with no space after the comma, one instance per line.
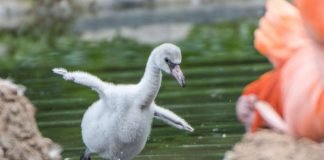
(34,49)
(224,38)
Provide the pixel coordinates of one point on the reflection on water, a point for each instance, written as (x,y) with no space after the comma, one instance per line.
(218,60)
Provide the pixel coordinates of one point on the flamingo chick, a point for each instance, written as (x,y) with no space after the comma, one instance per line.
(117,126)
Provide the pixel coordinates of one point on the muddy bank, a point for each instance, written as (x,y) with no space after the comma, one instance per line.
(268,145)
(20,138)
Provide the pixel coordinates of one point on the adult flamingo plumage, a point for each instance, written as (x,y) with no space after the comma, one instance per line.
(290,97)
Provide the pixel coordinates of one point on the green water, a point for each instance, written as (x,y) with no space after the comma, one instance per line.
(218,61)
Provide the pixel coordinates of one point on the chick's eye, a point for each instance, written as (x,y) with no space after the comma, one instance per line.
(166,60)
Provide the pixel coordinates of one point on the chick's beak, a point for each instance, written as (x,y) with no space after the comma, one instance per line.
(178,75)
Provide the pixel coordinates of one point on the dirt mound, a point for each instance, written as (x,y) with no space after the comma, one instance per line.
(19,135)
(269,145)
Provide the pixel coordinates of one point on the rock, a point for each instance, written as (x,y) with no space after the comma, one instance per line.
(54,10)
(20,138)
(269,145)
(147,34)
(14,13)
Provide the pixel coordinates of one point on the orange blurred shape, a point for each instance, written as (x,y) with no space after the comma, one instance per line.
(312,12)
(280,32)
(289,37)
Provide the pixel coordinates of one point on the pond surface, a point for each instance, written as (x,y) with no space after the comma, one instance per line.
(218,61)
